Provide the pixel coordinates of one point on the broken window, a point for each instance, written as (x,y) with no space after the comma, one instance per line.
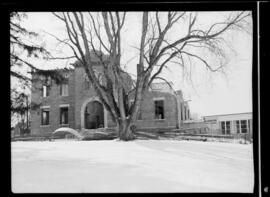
(159,109)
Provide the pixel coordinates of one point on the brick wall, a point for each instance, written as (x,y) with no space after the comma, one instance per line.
(148,111)
(54,100)
(78,95)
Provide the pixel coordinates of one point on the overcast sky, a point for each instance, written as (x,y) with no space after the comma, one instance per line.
(209,94)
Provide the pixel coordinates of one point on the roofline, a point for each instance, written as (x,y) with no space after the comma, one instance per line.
(229,114)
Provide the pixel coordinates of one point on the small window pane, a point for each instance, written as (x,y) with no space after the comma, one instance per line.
(228,127)
(243,126)
(223,127)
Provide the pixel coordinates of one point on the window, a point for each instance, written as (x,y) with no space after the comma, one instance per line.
(64,115)
(228,127)
(237,126)
(223,129)
(45,116)
(243,126)
(86,83)
(45,90)
(159,109)
(64,89)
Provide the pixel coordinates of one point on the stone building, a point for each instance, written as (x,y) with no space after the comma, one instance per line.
(75,104)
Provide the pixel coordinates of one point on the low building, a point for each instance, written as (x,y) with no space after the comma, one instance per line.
(238,123)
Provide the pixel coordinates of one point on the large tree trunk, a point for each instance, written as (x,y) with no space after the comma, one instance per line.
(125,133)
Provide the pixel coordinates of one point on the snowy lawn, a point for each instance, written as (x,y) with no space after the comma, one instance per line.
(137,166)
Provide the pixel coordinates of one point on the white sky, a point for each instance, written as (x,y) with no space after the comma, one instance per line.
(211,93)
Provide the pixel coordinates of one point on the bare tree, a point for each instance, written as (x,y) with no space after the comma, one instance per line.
(85,34)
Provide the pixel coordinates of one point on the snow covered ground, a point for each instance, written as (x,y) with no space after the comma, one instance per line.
(137,166)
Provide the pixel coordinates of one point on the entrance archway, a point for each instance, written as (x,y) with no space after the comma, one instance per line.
(93,114)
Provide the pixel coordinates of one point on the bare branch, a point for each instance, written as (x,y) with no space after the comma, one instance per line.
(98,33)
(205,62)
(158,23)
(107,28)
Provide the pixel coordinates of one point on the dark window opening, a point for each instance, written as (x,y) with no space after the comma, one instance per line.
(223,129)
(159,109)
(228,127)
(237,126)
(64,115)
(45,117)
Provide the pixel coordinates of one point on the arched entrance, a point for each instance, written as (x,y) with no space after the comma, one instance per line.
(93,114)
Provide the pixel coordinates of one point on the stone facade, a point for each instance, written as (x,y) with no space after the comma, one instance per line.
(79,97)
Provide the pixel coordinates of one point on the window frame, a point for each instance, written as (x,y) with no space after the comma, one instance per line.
(66,117)
(242,126)
(155,108)
(223,127)
(46,89)
(238,126)
(228,125)
(61,89)
(47,112)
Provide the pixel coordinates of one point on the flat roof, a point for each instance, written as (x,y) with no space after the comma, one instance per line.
(229,114)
